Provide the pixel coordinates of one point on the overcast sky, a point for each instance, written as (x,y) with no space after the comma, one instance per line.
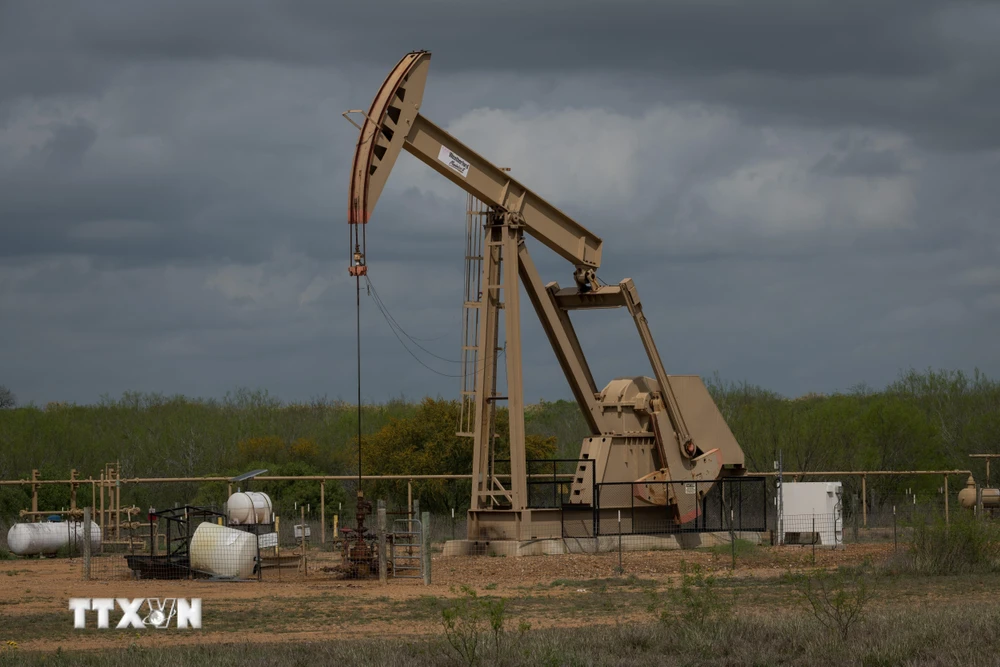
(806,193)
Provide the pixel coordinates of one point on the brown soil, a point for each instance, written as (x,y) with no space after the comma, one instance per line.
(323,606)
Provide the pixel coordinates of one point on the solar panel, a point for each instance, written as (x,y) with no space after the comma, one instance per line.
(248,475)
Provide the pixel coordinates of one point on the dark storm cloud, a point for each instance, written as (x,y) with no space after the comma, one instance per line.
(888,38)
(804,191)
(931,67)
(860,159)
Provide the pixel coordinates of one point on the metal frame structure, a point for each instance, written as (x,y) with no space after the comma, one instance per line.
(662,429)
(406,548)
(175,563)
(36,482)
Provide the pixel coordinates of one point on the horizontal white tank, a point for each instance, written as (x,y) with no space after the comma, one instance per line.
(33,539)
(246,507)
(226,552)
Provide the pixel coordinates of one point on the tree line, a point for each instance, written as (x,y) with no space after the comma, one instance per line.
(924,420)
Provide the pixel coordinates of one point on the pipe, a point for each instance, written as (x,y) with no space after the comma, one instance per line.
(317,478)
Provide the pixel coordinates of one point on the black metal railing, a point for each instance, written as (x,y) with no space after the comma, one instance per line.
(730,503)
(590,509)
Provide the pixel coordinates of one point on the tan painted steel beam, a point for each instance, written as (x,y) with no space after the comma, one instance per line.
(515,388)
(607,296)
(673,411)
(559,330)
(473,173)
(486,379)
(393,122)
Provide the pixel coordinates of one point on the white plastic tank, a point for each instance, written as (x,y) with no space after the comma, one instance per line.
(226,552)
(245,507)
(33,539)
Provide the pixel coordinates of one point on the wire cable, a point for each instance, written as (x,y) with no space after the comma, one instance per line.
(393,327)
(392,320)
(358,281)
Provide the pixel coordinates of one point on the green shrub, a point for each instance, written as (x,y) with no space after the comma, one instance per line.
(475,627)
(966,545)
(698,607)
(838,600)
(744,549)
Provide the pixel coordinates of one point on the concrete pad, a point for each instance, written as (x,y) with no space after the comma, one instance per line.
(602,544)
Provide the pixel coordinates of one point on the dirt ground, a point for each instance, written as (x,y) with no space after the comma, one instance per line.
(544,590)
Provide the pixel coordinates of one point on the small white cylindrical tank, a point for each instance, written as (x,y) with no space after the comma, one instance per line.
(227,552)
(33,539)
(246,507)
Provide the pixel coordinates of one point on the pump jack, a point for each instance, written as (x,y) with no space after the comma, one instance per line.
(643,429)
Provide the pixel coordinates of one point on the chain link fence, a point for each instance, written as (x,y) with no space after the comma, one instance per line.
(884,510)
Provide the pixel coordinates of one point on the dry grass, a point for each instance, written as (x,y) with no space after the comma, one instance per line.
(756,616)
(902,635)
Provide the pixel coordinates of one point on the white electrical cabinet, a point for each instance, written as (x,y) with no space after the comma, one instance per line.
(810,513)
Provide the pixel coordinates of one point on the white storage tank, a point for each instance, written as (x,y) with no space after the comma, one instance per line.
(245,507)
(33,539)
(226,552)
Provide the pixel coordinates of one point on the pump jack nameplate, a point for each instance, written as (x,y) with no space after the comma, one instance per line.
(450,158)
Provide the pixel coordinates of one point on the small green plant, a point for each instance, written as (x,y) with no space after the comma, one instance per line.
(697,606)
(700,598)
(496,611)
(474,626)
(744,549)
(838,600)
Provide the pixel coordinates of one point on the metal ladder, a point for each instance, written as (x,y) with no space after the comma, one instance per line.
(407,549)
(475,217)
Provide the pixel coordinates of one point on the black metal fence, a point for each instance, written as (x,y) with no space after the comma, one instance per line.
(732,503)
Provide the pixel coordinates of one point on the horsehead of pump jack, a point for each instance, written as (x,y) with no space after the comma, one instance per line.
(643,430)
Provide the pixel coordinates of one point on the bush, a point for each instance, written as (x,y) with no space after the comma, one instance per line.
(968,545)
(474,627)
(744,549)
(697,606)
(838,600)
